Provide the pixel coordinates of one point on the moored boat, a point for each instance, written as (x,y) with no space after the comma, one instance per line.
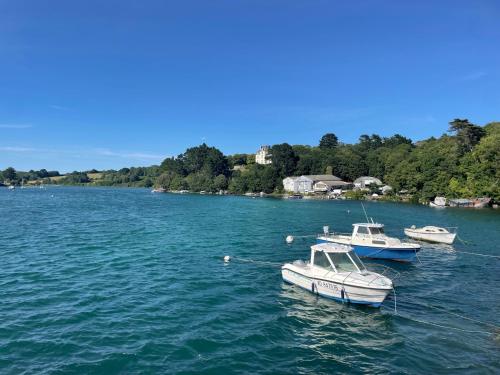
(295,196)
(369,240)
(335,271)
(431,234)
(438,202)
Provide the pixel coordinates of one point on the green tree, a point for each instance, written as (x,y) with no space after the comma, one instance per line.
(468,135)
(220,182)
(9,174)
(284,159)
(328,141)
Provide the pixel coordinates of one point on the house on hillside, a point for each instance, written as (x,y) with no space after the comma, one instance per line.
(290,184)
(307,183)
(262,156)
(328,186)
(366,181)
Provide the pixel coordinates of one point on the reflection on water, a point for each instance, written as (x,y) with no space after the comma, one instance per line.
(327,325)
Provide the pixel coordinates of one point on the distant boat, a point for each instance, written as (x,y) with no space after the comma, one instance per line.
(335,271)
(369,240)
(295,196)
(158,190)
(431,234)
(438,202)
(11,187)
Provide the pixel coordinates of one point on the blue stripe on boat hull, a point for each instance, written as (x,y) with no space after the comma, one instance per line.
(372,304)
(399,254)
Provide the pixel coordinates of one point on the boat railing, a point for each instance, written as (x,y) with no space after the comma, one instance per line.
(331,234)
(385,269)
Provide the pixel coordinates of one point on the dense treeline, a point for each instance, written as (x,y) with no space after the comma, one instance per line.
(464,163)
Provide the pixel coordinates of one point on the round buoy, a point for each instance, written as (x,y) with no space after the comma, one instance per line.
(227,258)
(289,239)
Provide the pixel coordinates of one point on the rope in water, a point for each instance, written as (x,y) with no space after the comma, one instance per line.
(454,313)
(259,262)
(478,254)
(443,326)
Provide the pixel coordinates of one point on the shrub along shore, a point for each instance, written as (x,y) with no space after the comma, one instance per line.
(462,164)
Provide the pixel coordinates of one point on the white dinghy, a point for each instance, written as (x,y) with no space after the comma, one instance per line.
(432,234)
(336,272)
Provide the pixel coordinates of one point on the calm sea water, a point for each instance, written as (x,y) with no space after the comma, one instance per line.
(124,281)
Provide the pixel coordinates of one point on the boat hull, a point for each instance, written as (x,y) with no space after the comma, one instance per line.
(375,252)
(446,238)
(336,291)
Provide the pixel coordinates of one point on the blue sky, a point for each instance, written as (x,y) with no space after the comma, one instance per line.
(107,84)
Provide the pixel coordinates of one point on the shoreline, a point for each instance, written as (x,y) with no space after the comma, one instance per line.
(283,196)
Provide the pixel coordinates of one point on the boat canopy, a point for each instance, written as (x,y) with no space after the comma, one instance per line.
(330,247)
(335,257)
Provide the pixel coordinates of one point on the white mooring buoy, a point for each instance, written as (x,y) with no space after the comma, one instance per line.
(289,239)
(227,259)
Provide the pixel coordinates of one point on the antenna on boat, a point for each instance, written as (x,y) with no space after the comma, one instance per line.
(366,215)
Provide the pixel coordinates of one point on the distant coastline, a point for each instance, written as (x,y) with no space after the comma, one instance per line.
(461,165)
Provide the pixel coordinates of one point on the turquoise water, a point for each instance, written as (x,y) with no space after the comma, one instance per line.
(124,281)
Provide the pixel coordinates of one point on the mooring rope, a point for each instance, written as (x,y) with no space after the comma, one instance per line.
(478,254)
(463,241)
(444,310)
(259,262)
(442,325)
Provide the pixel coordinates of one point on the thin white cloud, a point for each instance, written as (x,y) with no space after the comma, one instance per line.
(128,155)
(17,149)
(15,126)
(473,76)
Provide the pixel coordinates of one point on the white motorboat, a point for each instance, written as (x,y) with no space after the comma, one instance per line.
(336,272)
(11,187)
(438,202)
(369,240)
(432,234)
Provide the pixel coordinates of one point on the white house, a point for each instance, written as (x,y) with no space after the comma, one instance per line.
(365,181)
(290,184)
(305,184)
(262,155)
(327,186)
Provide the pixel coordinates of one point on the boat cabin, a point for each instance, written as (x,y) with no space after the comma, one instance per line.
(369,231)
(336,258)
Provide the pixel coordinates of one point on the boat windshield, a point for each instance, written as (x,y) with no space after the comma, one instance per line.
(375,230)
(356,260)
(342,262)
(321,260)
